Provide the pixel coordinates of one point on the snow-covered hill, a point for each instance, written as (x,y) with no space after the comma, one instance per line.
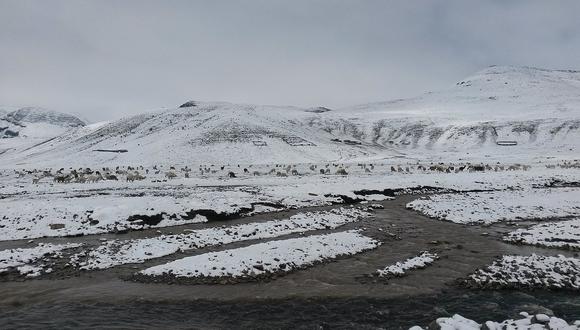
(25,127)
(534,107)
(197,132)
(537,109)
(33,115)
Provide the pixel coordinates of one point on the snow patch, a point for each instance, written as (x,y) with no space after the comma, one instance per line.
(399,269)
(528,322)
(494,206)
(562,234)
(28,261)
(529,272)
(267,258)
(115,252)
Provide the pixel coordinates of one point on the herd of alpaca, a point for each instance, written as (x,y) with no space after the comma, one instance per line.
(451,168)
(565,164)
(87,175)
(139,173)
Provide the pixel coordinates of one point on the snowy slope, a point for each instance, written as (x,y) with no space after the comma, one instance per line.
(219,133)
(25,127)
(538,109)
(534,107)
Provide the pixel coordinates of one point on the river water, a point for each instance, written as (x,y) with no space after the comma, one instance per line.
(339,313)
(330,296)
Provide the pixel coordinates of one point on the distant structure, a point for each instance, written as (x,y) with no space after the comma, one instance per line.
(506,143)
(318,110)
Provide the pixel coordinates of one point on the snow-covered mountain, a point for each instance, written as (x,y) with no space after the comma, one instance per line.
(25,127)
(537,109)
(534,107)
(198,132)
(34,115)
(27,121)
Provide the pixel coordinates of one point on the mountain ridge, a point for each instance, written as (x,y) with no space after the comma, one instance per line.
(537,109)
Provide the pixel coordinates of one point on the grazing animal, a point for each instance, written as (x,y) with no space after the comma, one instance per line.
(170,175)
(138,176)
(93,178)
(62,178)
(231,174)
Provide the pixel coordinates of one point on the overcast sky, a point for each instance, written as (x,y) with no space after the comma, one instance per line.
(107,59)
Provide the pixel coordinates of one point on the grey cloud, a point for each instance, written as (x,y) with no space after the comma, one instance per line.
(105,59)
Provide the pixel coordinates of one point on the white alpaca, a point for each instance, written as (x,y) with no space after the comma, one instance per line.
(135,177)
(170,175)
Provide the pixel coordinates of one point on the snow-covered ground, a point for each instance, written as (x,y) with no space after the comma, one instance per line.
(117,252)
(49,216)
(490,207)
(29,209)
(29,261)
(264,259)
(527,322)
(529,272)
(399,269)
(561,234)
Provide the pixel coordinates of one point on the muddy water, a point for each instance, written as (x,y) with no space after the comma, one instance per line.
(335,295)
